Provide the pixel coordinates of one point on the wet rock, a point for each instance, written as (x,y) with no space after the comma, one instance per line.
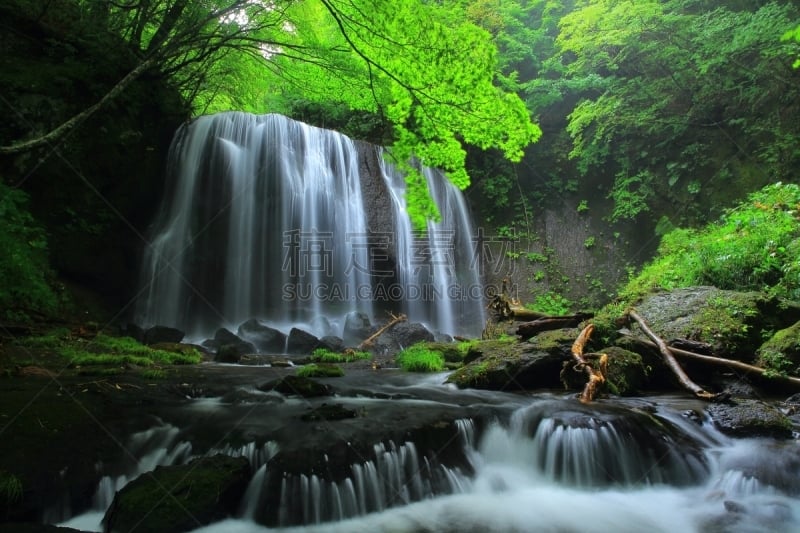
(356,328)
(328,412)
(749,418)
(263,337)
(180,348)
(301,342)
(322,370)
(297,386)
(163,334)
(406,334)
(332,343)
(133,331)
(781,353)
(504,365)
(178,498)
(230,347)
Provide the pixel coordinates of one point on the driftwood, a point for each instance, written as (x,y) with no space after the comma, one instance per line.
(596,376)
(728,363)
(366,343)
(671,362)
(547,323)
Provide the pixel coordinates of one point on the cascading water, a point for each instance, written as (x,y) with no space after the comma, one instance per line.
(264,218)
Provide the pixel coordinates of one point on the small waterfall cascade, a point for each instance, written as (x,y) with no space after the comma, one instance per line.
(264,218)
(441,266)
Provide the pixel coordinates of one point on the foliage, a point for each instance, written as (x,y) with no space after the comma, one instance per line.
(420,358)
(551,303)
(314,370)
(26,281)
(324,355)
(751,247)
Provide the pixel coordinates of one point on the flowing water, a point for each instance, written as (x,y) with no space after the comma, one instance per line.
(527,463)
(264,218)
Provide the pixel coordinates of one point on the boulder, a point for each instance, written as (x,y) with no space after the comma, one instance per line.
(301,342)
(781,352)
(263,337)
(731,323)
(332,343)
(179,498)
(749,418)
(231,347)
(508,365)
(297,386)
(406,334)
(357,327)
(163,334)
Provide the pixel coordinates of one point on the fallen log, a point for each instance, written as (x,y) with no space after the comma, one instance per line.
(726,363)
(685,381)
(548,323)
(366,343)
(596,376)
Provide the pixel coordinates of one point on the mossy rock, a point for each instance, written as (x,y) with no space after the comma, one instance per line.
(328,412)
(556,341)
(626,376)
(503,365)
(750,418)
(730,322)
(449,351)
(781,353)
(179,498)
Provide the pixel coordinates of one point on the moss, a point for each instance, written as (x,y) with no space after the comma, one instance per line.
(420,358)
(627,373)
(322,370)
(325,355)
(780,355)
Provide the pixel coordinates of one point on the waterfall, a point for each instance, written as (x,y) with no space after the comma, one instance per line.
(264,218)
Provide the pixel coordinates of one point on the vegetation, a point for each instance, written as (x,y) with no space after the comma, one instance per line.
(27,286)
(314,370)
(108,352)
(420,358)
(323,355)
(10,488)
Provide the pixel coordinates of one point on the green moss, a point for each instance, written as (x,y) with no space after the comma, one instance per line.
(314,370)
(420,358)
(10,488)
(324,355)
(780,355)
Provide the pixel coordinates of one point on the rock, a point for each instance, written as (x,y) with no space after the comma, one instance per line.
(322,370)
(627,374)
(328,412)
(749,418)
(181,348)
(781,353)
(406,334)
(230,347)
(264,338)
(133,331)
(730,322)
(332,343)
(356,328)
(297,386)
(321,325)
(179,498)
(163,334)
(301,342)
(508,365)
(449,351)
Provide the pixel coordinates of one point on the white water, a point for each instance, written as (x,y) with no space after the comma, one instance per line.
(552,467)
(264,218)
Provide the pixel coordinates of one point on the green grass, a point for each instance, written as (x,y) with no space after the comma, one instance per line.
(420,358)
(323,355)
(314,370)
(106,351)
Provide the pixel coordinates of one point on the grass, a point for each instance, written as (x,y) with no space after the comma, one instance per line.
(314,370)
(420,358)
(106,351)
(10,487)
(323,355)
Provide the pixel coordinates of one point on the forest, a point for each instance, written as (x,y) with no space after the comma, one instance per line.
(580,217)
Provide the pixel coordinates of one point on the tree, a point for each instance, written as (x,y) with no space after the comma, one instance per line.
(419,65)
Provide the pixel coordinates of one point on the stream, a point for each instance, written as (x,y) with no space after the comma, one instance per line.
(420,455)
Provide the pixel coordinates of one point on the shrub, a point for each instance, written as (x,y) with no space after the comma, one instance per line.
(420,358)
